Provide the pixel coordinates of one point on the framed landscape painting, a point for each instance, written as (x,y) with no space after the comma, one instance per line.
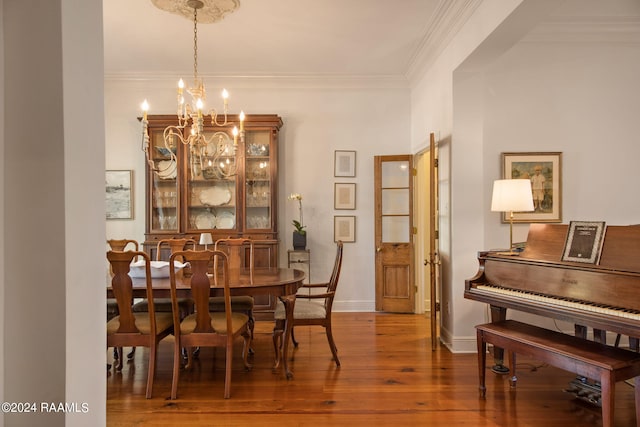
(544,170)
(119,201)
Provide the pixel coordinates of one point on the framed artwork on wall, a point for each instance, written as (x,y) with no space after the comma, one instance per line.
(344,228)
(119,194)
(344,163)
(344,195)
(544,170)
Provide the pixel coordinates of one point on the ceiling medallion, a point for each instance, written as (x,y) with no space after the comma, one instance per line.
(208,10)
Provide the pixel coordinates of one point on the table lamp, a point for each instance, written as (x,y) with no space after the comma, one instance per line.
(206,239)
(511,195)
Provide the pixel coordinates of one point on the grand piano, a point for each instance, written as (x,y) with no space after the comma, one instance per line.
(605,297)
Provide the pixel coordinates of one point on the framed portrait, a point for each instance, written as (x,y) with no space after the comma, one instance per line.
(584,241)
(344,195)
(344,163)
(545,172)
(119,194)
(344,228)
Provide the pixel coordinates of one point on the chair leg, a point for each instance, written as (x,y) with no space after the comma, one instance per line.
(227,374)
(251,324)
(131,353)
(278,331)
(332,344)
(177,353)
(246,349)
(152,368)
(119,360)
(293,338)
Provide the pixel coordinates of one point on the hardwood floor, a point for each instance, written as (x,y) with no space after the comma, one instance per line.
(389,376)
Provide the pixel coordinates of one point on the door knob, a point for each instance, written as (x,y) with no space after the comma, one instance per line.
(378,249)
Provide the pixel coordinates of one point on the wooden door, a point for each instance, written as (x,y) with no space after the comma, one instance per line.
(433,261)
(393,182)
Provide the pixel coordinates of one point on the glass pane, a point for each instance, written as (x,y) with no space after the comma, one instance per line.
(395,229)
(395,174)
(211,194)
(164,209)
(258,179)
(395,202)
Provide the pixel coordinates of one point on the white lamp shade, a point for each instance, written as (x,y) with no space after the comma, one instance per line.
(206,239)
(512,195)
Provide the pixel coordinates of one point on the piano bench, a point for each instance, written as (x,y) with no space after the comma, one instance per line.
(589,359)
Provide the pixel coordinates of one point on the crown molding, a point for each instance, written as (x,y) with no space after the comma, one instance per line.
(587,29)
(324,81)
(449,18)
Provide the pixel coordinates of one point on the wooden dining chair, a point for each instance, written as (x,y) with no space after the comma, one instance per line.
(144,329)
(163,305)
(204,328)
(235,250)
(312,309)
(112,305)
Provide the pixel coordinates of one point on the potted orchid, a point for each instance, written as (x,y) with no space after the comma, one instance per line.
(299,234)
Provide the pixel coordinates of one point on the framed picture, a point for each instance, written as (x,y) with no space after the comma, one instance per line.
(344,228)
(344,163)
(119,194)
(545,172)
(344,195)
(584,241)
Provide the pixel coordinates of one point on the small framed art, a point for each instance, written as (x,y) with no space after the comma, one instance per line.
(584,241)
(344,228)
(119,194)
(344,163)
(544,170)
(344,195)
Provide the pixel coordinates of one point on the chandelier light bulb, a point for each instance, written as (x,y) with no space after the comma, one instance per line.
(145,108)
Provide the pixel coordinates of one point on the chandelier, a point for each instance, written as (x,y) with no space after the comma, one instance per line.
(212,156)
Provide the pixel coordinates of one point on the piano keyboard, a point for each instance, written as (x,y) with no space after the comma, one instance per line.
(580,305)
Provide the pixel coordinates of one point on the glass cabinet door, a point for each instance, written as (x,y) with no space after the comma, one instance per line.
(258,209)
(211,184)
(164,186)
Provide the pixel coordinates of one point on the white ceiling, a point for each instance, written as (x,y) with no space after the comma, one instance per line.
(276,38)
(311,38)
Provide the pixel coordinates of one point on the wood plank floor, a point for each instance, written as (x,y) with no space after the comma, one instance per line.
(389,376)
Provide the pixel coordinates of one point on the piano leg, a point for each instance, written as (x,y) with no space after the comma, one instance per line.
(498,314)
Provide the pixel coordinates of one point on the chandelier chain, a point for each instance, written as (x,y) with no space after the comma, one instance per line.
(195,44)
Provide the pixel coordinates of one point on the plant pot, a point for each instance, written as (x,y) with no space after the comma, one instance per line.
(299,241)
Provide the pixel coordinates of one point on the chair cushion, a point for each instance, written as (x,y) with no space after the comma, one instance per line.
(163,305)
(304,309)
(238,303)
(163,322)
(218,323)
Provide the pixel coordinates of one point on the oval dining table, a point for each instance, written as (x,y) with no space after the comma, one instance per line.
(282,283)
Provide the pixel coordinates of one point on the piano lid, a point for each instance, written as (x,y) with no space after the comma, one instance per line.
(620,250)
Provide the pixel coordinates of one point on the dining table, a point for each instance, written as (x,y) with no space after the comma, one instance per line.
(282,283)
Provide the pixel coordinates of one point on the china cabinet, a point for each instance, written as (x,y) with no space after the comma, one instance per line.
(188,194)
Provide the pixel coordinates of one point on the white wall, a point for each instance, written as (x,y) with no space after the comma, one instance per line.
(319,117)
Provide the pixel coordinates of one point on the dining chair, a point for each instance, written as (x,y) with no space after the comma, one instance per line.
(112,305)
(163,305)
(204,328)
(235,250)
(145,329)
(311,309)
